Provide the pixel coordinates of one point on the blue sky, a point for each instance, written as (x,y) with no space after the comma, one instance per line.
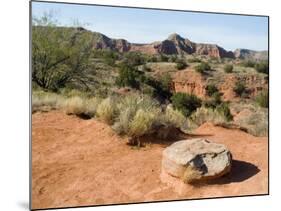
(145,26)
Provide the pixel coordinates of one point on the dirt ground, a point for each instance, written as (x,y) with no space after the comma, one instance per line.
(78,162)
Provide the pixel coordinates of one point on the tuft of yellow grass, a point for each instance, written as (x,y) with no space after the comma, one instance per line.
(106,110)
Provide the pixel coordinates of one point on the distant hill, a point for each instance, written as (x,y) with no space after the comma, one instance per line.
(174,44)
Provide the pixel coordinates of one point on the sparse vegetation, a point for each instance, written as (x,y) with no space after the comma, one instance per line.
(193,60)
(262,67)
(181,64)
(262,99)
(228,68)
(201,68)
(127,76)
(106,110)
(185,103)
(211,89)
(239,88)
(203,115)
(248,63)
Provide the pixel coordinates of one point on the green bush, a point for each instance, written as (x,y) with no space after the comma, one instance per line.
(214,101)
(239,88)
(211,89)
(127,76)
(228,68)
(193,60)
(262,67)
(181,64)
(166,81)
(134,58)
(248,63)
(201,68)
(262,99)
(223,108)
(186,103)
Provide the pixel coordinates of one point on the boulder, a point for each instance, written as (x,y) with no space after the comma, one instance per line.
(196,160)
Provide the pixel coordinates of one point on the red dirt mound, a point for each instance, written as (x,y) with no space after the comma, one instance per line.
(79,162)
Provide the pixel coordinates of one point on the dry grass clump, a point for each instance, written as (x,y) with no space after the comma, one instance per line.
(203,115)
(86,107)
(106,110)
(45,101)
(127,109)
(255,122)
(142,123)
(141,115)
(172,117)
(252,117)
(73,105)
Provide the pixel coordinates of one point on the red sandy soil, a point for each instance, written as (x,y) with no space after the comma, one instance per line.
(78,162)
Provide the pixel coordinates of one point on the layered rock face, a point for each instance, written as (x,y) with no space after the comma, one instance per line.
(196,160)
(190,82)
(213,51)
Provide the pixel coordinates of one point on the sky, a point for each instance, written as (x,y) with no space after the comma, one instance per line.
(146,25)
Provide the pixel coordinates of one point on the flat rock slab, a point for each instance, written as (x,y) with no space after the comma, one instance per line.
(196,160)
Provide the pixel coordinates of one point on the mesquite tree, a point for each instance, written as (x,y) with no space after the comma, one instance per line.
(60,55)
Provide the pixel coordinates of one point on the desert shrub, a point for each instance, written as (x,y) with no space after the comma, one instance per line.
(201,68)
(194,60)
(239,88)
(228,68)
(145,68)
(173,58)
(166,81)
(109,57)
(262,99)
(74,105)
(211,89)
(262,67)
(127,108)
(181,64)
(106,110)
(223,109)
(248,63)
(161,86)
(256,123)
(186,103)
(45,100)
(203,115)
(172,117)
(152,59)
(127,76)
(134,58)
(141,123)
(163,58)
(59,55)
(214,101)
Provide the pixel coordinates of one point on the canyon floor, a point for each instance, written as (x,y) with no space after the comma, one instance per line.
(78,162)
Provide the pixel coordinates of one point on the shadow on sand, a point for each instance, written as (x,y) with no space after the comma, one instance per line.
(240,171)
(166,141)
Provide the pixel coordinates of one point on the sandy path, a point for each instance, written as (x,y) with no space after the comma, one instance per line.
(82,162)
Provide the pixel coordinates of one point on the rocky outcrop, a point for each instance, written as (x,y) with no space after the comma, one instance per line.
(250,54)
(213,51)
(190,82)
(196,160)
